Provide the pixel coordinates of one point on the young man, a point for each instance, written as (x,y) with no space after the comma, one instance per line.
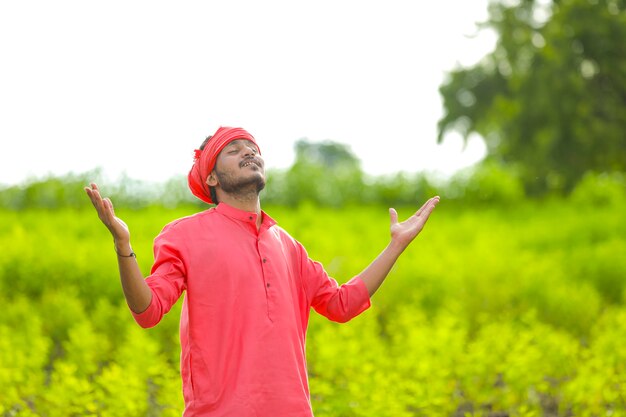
(249,286)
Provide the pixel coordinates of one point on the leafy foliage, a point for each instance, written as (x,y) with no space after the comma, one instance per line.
(550,98)
(306,182)
(516,311)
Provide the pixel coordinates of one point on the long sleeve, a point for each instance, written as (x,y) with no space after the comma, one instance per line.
(166,281)
(338,303)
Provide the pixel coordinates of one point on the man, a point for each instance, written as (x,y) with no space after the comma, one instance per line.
(249,286)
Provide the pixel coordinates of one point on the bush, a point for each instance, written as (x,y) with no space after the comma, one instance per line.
(490,312)
(487,182)
(600,189)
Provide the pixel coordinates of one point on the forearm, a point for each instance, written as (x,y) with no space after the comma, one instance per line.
(376,272)
(137,292)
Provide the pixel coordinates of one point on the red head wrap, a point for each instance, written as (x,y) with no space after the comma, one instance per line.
(204,160)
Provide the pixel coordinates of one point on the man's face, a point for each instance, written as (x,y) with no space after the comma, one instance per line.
(239,168)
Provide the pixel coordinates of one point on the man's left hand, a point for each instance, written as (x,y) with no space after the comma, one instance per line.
(403,233)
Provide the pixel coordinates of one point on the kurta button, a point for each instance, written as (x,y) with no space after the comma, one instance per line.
(264,260)
(250,218)
(268,285)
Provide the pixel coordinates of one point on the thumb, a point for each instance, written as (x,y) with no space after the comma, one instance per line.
(393,215)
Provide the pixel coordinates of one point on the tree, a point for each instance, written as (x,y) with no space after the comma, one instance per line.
(551,98)
(326,173)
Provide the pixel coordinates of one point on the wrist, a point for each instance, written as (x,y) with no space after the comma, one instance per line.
(395,247)
(121,242)
(123,248)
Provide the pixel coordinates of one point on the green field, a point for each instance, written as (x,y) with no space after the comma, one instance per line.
(507,311)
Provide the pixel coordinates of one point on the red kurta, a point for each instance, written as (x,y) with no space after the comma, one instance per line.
(244,318)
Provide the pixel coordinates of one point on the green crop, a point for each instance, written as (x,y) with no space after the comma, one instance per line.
(491,312)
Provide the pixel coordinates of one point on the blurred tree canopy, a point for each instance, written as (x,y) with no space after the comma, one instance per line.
(333,178)
(324,172)
(550,100)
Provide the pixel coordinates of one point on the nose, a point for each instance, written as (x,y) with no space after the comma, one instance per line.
(249,151)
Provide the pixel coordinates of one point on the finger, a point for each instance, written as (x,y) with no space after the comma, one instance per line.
(421,209)
(106,213)
(96,198)
(428,206)
(433,202)
(92,196)
(95,190)
(92,186)
(108,208)
(393,216)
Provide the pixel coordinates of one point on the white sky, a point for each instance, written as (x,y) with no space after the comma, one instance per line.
(135,86)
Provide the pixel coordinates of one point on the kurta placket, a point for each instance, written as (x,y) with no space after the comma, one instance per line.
(266,263)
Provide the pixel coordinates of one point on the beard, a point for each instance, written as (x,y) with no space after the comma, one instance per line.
(240,186)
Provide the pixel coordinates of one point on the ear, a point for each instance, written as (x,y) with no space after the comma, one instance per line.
(212,179)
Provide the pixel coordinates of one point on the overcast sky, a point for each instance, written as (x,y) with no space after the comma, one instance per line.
(135,86)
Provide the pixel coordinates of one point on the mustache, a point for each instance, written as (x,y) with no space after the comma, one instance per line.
(257,161)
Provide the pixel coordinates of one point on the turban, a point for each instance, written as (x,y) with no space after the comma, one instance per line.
(204,160)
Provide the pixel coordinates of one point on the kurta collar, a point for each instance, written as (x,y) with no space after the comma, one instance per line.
(245,216)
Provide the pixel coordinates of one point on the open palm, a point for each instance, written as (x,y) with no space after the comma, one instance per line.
(106,213)
(404,232)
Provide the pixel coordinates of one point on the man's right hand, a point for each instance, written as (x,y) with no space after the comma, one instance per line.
(104,207)
(137,292)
